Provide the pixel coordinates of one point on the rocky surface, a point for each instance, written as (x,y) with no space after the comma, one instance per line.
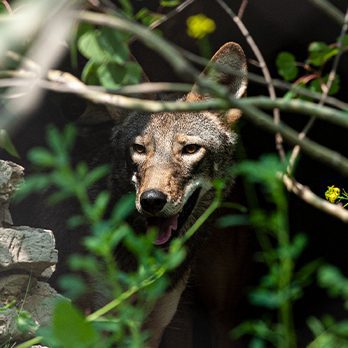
(27,258)
(11,176)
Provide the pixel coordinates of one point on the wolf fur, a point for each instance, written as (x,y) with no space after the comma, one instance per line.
(170,160)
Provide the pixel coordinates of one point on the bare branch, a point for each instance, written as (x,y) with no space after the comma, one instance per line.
(315,150)
(331,115)
(242,8)
(171,14)
(7,6)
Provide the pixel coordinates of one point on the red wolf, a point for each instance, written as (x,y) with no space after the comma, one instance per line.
(171,160)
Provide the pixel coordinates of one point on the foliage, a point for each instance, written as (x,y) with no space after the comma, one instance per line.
(110,65)
(282,284)
(6,143)
(314,68)
(146,283)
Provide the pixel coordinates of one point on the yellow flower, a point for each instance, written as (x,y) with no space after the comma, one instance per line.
(199,26)
(332,193)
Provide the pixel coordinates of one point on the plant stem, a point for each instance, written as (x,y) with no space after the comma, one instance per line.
(126,295)
(30,343)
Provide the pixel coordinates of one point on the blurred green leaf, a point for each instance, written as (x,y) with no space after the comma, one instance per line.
(257,343)
(320,53)
(6,143)
(344,40)
(147,17)
(315,85)
(111,74)
(133,73)
(286,65)
(170,3)
(34,183)
(89,73)
(104,45)
(70,327)
(25,322)
(123,208)
(42,157)
(73,285)
(333,280)
(233,220)
(86,263)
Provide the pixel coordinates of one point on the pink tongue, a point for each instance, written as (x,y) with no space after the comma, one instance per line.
(165,227)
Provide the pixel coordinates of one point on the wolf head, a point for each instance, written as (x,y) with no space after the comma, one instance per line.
(172,158)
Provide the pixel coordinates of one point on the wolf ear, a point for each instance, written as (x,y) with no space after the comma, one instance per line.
(231,56)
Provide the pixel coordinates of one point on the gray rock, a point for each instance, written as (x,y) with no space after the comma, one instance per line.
(11,176)
(27,249)
(38,300)
(14,286)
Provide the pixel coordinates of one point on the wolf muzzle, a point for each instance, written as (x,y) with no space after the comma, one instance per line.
(153,201)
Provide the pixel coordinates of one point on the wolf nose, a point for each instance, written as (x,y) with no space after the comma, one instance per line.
(153,201)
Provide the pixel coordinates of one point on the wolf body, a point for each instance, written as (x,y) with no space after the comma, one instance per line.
(170,160)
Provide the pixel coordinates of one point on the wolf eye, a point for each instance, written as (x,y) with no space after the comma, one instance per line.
(190,149)
(138,148)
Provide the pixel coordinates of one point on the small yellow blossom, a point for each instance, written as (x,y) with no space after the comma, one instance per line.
(199,26)
(332,193)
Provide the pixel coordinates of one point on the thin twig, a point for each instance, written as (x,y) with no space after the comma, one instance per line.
(327,114)
(171,14)
(7,6)
(265,71)
(321,153)
(315,150)
(64,82)
(242,8)
(331,10)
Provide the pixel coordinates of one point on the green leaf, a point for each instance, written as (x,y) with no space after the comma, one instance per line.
(146,17)
(111,75)
(89,73)
(133,74)
(41,157)
(115,44)
(72,285)
(86,263)
(103,46)
(96,174)
(233,220)
(123,208)
(344,40)
(71,328)
(286,65)
(6,143)
(25,322)
(315,85)
(169,3)
(320,53)
(75,221)
(32,184)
